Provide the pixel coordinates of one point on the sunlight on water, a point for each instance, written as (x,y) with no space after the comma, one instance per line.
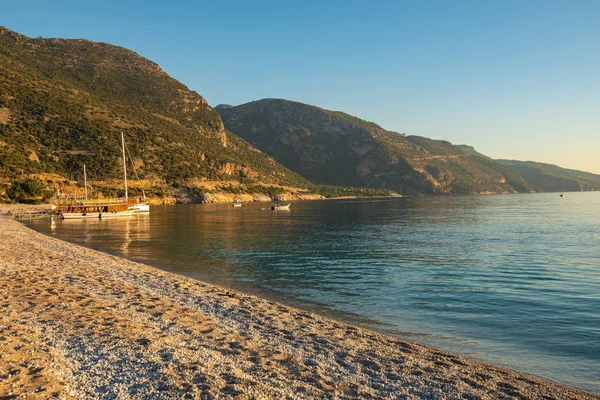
(513,280)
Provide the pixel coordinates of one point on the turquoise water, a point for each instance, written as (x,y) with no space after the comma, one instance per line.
(512,280)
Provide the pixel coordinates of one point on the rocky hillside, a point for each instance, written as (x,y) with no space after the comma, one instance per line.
(551,178)
(331,147)
(63,103)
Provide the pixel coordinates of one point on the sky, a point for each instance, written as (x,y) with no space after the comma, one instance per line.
(514,79)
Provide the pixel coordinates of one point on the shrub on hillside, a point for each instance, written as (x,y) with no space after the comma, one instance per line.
(28,191)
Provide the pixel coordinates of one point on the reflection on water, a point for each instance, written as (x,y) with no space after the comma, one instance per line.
(513,280)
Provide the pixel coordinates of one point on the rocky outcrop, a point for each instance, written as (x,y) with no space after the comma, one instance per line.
(212,194)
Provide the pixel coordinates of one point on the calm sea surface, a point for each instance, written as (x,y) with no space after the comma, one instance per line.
(512,280)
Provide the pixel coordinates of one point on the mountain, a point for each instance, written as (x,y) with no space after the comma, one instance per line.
(64,102)
(546,177)
(551,178)
(334,148)
(471,150)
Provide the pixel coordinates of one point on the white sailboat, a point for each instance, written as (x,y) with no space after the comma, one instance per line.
(137,207)
(76,208)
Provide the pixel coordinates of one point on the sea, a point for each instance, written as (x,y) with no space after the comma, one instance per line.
(512,280)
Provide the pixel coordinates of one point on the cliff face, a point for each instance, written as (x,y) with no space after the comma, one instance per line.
(64,102)
(335,148)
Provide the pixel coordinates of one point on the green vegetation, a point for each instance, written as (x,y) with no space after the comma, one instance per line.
(330,191)
(29,191)
(63,103)
(361,123)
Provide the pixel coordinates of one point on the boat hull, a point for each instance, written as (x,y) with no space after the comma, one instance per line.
(97,215)
(140,208)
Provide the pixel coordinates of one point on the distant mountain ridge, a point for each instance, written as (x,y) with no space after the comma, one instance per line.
(64,102)
(332,147)
(552,178)
(547,177)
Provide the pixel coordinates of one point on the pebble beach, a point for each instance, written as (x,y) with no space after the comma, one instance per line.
(78,323)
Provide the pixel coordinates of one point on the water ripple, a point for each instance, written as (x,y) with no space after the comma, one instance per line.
(513,280)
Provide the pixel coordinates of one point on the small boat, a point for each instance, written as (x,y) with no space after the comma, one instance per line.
(237,203)
(280,206)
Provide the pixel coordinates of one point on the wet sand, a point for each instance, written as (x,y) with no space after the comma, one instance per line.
(78,323)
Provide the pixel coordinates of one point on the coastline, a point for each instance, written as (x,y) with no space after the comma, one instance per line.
(84,324)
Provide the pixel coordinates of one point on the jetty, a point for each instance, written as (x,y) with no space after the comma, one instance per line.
(32,213)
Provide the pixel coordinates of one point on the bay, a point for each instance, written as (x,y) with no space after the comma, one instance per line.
(513,280)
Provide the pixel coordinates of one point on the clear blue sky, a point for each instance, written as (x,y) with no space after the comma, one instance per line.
(516,79)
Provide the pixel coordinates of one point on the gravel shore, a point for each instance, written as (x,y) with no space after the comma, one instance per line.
(78,323)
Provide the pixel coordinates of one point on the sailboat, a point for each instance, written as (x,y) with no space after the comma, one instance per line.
(138,206)
(76,208)
(141,207)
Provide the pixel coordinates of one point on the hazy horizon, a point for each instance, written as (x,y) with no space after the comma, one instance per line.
(515,80)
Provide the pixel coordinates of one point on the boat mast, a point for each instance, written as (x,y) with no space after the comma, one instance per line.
(85,181)
(135,172)
(124,163)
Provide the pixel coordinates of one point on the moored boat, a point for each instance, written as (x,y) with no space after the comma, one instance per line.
(280,206)
(76,208)
(140,208)
(71,208)
(237,203)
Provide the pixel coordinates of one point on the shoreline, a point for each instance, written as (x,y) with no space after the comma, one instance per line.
(81,323)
